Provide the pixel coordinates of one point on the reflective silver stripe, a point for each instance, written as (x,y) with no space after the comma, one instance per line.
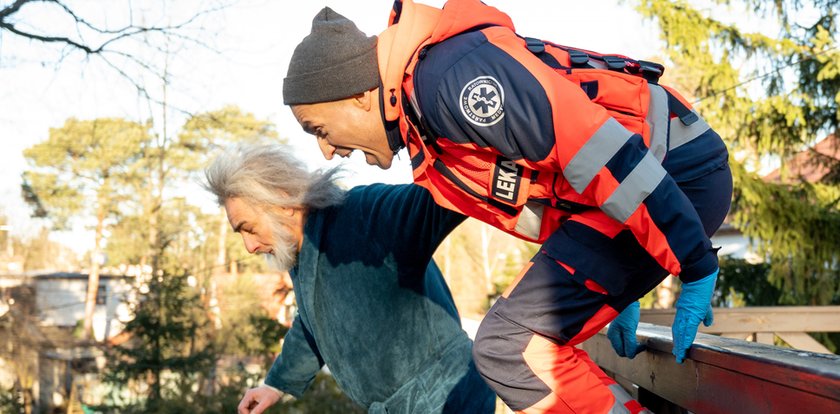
(595,154)
(634,189)
(529,222)
(618,408)
(414,104)
(597,64)
(657,118)
(412,99)
(621,398)
(681,134)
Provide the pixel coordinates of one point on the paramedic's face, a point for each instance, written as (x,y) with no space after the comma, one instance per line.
(344,126)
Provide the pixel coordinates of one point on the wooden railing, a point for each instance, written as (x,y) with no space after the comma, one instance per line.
(791,324)
(726,375)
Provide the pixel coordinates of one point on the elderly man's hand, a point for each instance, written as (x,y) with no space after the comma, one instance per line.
(257,400)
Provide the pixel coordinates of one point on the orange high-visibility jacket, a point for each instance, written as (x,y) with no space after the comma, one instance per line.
(524,135)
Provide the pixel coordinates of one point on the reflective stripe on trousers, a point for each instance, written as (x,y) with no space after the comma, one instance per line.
(624,403)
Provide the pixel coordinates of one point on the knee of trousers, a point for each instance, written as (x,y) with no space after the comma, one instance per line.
(498,346)
(482,346)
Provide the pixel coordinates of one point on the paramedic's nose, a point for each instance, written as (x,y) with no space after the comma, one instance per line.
(326,149)
(251,245)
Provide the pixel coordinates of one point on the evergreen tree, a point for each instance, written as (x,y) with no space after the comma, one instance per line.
(79,171)
(168,162)
(201,138)
(174,347)
(10,402)
(246,329)
(771,94)
(168,351)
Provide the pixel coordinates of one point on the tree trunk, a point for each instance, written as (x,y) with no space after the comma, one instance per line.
(156,369)
(10,247)
(28,401)
(486,260)
(221,253)
(93,277)
(155,236)
(665,294)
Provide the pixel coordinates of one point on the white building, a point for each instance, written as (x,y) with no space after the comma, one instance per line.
(39,314)
(60,300)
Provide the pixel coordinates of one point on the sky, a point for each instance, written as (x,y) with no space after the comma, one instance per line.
(252,41)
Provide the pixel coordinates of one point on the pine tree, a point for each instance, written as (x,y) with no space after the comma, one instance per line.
(167,351)
(79,170)
(770,94)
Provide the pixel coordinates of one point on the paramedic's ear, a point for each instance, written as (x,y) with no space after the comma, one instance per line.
(365,100)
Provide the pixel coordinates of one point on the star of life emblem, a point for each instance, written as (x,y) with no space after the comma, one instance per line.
(482,101)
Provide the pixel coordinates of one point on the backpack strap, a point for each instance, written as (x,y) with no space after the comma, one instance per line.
(579,58)
(651,71)
(537,47)
(412,110)
(683,112)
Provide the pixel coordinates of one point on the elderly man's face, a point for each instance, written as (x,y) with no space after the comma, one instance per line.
(344,126)
(251,224)
(261,233)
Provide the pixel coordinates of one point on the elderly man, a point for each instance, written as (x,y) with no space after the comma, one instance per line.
(618,177)
(372,306)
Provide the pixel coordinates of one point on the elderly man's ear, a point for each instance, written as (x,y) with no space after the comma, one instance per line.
(284,211)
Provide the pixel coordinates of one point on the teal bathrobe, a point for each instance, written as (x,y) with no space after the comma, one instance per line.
(376,311)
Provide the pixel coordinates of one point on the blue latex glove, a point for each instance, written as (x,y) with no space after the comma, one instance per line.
(693,306)
(622,332)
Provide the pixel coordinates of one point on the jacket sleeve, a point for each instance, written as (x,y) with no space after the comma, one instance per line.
(298,362)
(407,222)
(485,88)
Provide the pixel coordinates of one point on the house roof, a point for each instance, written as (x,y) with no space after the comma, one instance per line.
(803,165)
(42,275)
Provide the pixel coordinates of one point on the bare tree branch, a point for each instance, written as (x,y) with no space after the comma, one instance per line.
(12,9)
(125,32)
(106,47)
(47,39)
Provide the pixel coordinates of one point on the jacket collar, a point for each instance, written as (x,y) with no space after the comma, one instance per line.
(392,128)
(412,26)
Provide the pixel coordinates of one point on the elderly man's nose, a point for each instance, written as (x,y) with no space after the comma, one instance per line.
(250,245)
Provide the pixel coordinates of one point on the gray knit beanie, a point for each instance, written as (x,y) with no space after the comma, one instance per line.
(336,61)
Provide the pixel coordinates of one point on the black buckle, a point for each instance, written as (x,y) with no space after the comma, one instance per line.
(651,67)
(651,71)
(578,58)
(686,115)
(615,63)
(535,45)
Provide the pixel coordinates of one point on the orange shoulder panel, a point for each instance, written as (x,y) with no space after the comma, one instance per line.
(396,47)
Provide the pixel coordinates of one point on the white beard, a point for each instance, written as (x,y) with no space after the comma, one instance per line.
(285,251)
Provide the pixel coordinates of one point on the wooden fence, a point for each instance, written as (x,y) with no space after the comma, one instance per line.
(728,375)
(791,324)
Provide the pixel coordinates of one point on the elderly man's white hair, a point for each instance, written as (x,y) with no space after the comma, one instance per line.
(268,175)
